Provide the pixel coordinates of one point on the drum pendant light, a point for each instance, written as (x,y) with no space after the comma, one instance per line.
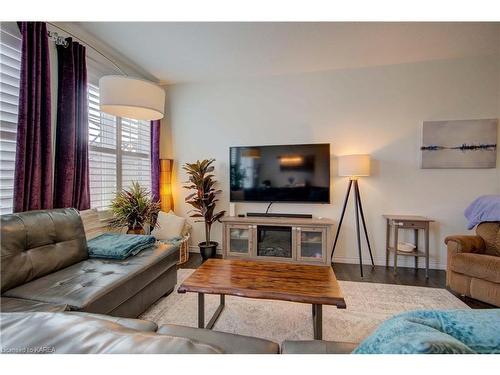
(131,97)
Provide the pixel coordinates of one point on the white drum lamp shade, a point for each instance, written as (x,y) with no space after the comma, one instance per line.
(354,165)
(130,97)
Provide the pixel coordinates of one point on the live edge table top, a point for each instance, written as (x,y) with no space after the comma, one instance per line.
(266,280)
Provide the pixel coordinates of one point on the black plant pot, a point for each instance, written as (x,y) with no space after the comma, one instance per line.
(208,251)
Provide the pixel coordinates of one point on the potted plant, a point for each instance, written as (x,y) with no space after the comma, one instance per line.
(203,199)
(135,209)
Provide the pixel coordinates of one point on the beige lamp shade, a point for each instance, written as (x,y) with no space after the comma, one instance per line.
(130,97)
(354,165)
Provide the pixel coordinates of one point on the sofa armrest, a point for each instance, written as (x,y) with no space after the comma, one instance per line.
(465,244)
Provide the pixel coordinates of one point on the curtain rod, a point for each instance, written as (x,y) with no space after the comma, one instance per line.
(62,41)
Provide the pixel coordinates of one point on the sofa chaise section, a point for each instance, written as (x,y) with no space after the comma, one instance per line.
(103,286)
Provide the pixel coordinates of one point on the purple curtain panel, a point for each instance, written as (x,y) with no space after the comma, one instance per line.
(155,159)
(33,166)
(71,169)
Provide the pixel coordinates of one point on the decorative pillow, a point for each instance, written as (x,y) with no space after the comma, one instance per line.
(490,233)
(92,224)
(433,332)
(170,226)
(187,229)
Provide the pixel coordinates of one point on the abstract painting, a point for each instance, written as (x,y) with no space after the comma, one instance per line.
(459,144)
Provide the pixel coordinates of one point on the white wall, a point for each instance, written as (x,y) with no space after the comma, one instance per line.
(377,110)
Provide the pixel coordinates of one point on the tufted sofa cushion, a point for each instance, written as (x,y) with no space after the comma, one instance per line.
(490,233)
(37,243)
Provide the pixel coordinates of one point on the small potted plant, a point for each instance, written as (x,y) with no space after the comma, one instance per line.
(135,209)
(203,199)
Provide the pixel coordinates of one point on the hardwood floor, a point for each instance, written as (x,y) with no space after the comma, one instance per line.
(383,275)
(379,274)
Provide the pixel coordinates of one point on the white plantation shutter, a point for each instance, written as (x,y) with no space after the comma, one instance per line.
(114,167)
(136,151)
(102,152)
(10,63)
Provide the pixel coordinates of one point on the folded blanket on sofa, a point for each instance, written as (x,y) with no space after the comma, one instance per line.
(118,246)
(484,208)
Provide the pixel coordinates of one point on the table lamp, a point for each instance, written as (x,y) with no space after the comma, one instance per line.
(354,166)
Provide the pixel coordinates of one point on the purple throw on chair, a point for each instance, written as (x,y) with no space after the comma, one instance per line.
(71,179)
(33,167)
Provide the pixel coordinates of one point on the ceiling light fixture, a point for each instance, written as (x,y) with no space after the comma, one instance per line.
(131,97)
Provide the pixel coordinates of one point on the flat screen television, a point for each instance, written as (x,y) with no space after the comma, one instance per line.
(286,173)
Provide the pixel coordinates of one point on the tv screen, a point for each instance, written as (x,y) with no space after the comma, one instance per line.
(287,173)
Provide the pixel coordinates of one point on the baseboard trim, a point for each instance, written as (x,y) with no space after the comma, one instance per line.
(196,249)
(402,261)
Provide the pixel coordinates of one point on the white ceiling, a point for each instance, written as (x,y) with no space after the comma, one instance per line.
(188,52)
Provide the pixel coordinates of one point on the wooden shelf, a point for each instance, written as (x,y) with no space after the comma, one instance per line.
(409,253)
(286,221)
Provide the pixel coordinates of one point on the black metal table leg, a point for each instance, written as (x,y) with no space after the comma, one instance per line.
(317,321)
(217,312)
(201,311)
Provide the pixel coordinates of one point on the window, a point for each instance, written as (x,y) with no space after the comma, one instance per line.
(10,65)
(119,152)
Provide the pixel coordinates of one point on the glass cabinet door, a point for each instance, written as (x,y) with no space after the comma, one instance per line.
(311,243)
(239,240)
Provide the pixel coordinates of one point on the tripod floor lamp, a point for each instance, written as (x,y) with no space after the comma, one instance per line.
(354,166)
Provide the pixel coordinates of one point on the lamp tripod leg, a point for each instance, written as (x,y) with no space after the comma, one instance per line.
(341,218)
(358,198)
(358,236)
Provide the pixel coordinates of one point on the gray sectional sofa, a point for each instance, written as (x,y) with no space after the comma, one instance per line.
(56,299)
(44,260)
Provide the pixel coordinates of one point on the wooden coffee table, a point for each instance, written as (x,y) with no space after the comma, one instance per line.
(316,285)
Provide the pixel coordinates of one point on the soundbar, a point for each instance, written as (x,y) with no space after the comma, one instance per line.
(262,214)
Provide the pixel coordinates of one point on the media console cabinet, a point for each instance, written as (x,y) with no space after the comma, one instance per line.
(297,240)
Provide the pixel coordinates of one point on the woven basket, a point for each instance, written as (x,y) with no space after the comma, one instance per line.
(184,250)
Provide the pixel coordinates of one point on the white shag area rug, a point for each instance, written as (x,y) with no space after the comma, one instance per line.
(368,304)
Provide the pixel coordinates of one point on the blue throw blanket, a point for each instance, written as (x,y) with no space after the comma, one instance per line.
(432,332)
(118,246)
(484,208)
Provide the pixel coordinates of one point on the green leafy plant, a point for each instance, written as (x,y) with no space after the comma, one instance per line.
(204,198)
(134,208)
